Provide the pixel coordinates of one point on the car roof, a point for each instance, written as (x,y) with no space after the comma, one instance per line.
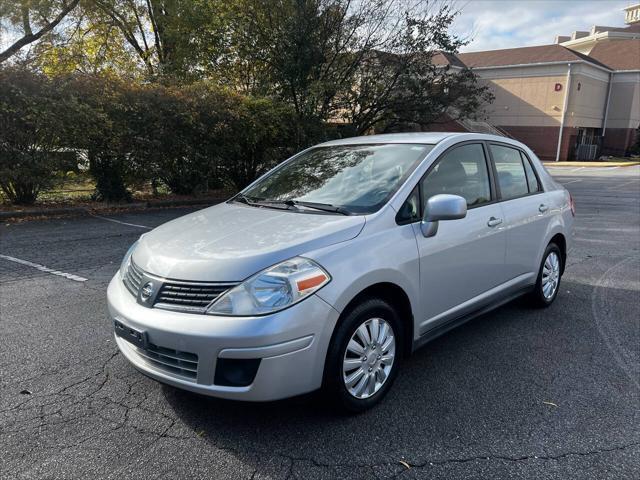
(417,137)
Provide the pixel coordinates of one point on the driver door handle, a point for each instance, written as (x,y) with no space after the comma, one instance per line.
(493,222)
(543,208)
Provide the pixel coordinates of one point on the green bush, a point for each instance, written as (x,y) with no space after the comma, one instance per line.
(166,141)
(261,133)
(107,137)
(191,139)
(40,118)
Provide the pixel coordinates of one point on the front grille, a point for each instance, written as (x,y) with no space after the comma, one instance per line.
(179,296)
(132,278)
(184,364)
(188,297)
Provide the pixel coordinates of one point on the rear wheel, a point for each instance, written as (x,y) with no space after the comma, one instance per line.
(549,275)
(364,355)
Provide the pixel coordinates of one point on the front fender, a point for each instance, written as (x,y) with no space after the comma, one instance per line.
(386,256)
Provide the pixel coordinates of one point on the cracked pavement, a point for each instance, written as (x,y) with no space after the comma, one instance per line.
(516,393)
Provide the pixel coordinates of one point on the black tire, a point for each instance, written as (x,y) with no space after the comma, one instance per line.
(334,385)
(537,297)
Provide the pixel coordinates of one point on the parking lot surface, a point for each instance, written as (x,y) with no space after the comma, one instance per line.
(516,393)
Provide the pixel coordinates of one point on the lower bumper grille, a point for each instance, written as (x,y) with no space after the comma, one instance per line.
(184,364)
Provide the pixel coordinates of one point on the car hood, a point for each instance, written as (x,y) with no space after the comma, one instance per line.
(230,242)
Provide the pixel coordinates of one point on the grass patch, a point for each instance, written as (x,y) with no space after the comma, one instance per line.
(77,189)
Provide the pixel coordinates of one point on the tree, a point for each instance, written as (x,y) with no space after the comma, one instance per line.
(173,39)
(369,64)
(34,19)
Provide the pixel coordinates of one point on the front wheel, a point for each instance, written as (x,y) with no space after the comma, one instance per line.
(549,274)
(364,355)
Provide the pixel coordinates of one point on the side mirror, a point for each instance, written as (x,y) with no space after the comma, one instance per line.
(442,207)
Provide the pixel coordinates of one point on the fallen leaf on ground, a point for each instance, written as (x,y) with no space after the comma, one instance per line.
(405,464)
(550,403)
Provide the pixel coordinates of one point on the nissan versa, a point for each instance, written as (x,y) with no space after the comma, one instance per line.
(332,267)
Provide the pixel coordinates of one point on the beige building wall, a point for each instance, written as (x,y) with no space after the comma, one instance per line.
(525,100)
(624,104)
(529,96)
(587,101)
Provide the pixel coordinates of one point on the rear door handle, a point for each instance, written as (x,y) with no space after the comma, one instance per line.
(543,208)
(493,221)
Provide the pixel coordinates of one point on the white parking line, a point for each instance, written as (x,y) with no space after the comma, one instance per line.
(596,229)
(635,181)
(592,240)
(118,221)
(42,268)
(572,181)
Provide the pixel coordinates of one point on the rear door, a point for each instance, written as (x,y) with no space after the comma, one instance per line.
(526,213)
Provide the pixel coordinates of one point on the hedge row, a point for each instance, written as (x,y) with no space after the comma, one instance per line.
(191,139)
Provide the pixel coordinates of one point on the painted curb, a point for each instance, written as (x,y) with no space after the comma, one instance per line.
(591,164)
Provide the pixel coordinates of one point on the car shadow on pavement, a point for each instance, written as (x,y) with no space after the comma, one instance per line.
(495,386)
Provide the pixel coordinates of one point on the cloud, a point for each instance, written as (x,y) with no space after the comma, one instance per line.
(495,24)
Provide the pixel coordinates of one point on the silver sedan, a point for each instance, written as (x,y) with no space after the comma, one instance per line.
(334,266)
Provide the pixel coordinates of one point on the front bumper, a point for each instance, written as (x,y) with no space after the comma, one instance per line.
(291,345)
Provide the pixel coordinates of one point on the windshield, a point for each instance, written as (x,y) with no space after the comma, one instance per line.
(357,178)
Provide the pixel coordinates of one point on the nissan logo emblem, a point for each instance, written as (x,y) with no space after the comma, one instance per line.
(146,291)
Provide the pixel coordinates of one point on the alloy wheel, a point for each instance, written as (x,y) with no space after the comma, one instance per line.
(368,358)
(550,275)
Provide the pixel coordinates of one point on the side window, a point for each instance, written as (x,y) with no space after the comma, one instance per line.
(511,175)
(461,171)
(410,210)
(532,180)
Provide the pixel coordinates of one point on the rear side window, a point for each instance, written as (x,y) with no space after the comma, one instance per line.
(532,180)
(511,172)
(461,171)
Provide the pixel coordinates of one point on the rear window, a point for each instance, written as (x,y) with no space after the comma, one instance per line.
(532,180)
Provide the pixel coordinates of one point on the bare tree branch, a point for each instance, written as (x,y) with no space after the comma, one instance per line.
(30,37)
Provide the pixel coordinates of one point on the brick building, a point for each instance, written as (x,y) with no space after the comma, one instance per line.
(578,98)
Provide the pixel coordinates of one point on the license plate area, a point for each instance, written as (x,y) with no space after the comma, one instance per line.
(131,335)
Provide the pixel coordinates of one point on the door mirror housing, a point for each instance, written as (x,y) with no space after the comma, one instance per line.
(442,207)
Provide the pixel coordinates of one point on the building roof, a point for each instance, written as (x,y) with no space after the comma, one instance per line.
(619,54)
(523,56)
(445,58)
(635,28)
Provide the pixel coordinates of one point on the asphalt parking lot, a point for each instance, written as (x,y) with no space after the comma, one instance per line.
(517,393)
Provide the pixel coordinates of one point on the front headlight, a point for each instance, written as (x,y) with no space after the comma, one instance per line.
(273,289)
(126,260)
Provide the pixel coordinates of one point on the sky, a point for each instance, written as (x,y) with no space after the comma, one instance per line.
(496,24)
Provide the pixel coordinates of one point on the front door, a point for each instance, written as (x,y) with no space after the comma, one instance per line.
(465,259)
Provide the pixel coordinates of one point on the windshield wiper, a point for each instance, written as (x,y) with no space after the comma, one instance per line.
(290,204)
(262,203)
(241,197)
(325,207)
